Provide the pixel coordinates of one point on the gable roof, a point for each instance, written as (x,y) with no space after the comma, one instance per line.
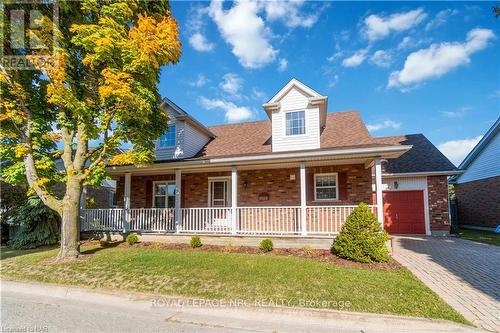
(485,140)
(343,129)
(183,115)
(291,84)
(423,157)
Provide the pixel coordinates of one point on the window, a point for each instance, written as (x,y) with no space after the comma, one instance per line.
(112,199)
(168,138)
(295,123)
(325,186)
(164,195)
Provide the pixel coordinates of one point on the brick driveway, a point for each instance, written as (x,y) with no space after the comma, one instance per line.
(465,274)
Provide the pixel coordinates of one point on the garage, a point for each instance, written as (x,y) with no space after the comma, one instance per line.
(404,212)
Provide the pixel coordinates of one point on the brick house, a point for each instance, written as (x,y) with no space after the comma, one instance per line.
(477,189)
(299,173)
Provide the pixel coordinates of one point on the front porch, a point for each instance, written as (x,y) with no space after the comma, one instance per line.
(310,199)
(257,221)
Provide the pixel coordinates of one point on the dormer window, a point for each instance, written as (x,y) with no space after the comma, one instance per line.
(168,138)
(295,123)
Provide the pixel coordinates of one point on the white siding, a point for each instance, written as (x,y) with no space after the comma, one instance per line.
(295,100)
(486,164)
(194,140)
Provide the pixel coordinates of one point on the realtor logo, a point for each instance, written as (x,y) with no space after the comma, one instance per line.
(28,33)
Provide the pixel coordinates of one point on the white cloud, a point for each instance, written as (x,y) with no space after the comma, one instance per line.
(456,150)
(245,31)
(231,84)
(378,27)
(356,59)
(457,113)
(233,113)
(440,18)
(332,82)
(200,81)
(259,95)
(381,58)
(282,65)
(383,125)
(200,43)
(335,56)
(410,42)
(289,12)
(439,59)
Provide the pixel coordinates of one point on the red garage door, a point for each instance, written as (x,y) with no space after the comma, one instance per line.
(404,212)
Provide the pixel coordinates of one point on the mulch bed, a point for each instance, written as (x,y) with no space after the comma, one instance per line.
(307,253)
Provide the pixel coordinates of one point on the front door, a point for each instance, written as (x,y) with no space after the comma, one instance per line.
(219,193)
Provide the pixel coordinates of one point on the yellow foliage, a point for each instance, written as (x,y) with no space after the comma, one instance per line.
(20,150)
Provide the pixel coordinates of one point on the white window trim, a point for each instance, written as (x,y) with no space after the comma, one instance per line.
(153,190)
(336,186)
(305,124)
(175,138)
(214,179)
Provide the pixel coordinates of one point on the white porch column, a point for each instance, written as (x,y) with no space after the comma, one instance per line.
(234,199)
(303,198)
(378,186)
(178,192)
(126,202)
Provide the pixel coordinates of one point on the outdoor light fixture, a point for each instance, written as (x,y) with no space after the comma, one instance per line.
(396,185)
(245,184)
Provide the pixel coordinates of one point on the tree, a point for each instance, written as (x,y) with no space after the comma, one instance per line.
(101,87)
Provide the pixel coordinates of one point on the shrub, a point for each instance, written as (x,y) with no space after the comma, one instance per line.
(196,242)
(362,238)
(266,245)
(132,239)
(38,225)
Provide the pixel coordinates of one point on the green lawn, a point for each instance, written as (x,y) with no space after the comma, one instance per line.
(229,276)
(480,236)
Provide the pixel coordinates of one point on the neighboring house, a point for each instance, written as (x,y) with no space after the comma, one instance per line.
(300,173)
(477,189)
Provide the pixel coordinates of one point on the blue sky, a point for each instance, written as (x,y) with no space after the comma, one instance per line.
(407,67)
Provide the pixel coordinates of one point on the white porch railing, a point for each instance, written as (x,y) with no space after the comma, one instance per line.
(278,220)
(152,219)
(206,220)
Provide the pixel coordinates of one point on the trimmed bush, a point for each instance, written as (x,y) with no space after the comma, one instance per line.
(362,238)
(196,242)
(132,239)
(266,245)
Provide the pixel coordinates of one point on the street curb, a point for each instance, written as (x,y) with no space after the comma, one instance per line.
(144,302)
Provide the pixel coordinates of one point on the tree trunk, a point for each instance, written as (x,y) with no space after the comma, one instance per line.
(70,221)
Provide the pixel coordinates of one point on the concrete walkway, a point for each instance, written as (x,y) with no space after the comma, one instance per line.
(465,274)
(51,308)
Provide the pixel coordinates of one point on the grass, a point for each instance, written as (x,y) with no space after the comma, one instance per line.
(229,276)
(481,236)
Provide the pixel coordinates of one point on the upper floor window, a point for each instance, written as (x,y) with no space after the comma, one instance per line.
(167,139)
(295,123)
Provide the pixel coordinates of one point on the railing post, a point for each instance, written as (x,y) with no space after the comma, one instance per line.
(303,202)
(234,200)
(378,186)
(178,193)
(126,202)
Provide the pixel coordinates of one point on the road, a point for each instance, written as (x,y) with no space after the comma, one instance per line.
(29,307)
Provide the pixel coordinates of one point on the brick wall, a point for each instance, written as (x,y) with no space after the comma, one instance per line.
(437,187)
(275,183)
(358,184)
(478,202)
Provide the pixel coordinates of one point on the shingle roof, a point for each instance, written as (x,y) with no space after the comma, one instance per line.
(342,129)
(423,157)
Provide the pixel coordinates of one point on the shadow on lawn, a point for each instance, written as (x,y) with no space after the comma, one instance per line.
(8,252)
(104,246)
(474,263)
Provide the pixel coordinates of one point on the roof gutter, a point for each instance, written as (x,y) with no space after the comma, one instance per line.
(421,174)
(371,152)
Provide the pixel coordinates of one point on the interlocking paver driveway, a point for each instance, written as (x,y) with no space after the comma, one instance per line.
(465,274)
